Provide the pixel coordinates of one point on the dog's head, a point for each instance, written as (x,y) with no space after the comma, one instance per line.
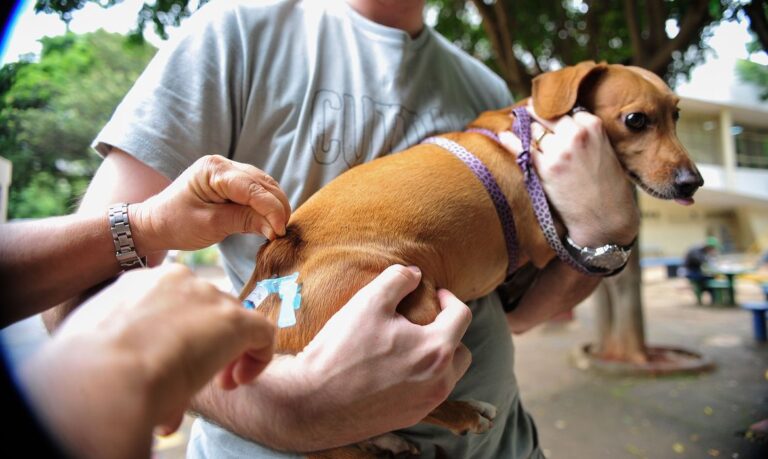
(639,113)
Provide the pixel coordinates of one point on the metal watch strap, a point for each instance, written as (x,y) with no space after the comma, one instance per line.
(607,260)
(125,250)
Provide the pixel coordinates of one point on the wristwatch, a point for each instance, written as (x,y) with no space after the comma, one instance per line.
(606,259)
(125,250)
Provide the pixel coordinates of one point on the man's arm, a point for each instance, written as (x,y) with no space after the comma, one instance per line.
(557,288)
(342,388)
(211,199)
(47,261)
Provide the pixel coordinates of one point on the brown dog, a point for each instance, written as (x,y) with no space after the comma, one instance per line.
(414,207)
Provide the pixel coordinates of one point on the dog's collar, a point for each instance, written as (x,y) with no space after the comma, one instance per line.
(503,210)
(522,129)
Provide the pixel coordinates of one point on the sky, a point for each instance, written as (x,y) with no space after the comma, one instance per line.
(30,27)
(714,80)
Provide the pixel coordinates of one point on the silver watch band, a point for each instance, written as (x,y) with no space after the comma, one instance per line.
(125,250)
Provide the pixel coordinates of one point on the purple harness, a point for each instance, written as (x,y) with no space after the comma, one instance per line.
(521,128)
(499,201)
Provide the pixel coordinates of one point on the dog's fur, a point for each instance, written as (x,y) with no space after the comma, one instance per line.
(424,207)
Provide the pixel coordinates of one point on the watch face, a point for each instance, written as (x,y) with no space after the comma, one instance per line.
(610,259)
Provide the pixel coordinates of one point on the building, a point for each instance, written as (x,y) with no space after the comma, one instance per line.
(727,136)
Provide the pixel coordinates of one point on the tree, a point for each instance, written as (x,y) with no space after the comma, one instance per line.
(161,13)
(51,110)
(521,39)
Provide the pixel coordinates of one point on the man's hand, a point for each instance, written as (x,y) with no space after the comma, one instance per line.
(583,179)
(368,356)
(213,198)
(367,372)
(142,348)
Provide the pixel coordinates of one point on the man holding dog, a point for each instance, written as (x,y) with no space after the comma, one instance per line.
(303,91)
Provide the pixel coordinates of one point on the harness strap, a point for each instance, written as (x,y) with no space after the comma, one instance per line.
(503,210)
(522,129)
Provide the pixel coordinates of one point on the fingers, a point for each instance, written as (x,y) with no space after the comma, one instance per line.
(389,288)
(247,186)
(454,319)
(565,125)
(226,340)
(268,183)
(243,189)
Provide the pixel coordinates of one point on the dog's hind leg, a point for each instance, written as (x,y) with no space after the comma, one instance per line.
(422,306)
(461,417)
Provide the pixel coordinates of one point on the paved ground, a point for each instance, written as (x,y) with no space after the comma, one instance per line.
(586,415)
(581,414)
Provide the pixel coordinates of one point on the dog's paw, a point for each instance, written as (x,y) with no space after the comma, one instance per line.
(486,413)
(390,445)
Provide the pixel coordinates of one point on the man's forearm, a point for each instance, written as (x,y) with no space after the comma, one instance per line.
(268,410)
(284,409)
(45,262)
(50,261)
(557,288)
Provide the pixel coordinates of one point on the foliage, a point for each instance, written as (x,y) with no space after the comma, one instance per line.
(752,72)
(521,38)
(208,256)
(160,13)
(526,38)
(51,110)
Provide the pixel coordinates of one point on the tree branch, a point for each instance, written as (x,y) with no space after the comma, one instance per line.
(697,17)
(758,21)
(492,31)
(633,27)
(657,29)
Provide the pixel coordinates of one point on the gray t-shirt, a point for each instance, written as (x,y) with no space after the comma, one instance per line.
(304,91)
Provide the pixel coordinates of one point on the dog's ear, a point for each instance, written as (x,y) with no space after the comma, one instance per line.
(555,93)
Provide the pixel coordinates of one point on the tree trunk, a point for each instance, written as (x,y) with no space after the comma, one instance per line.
(620,326)
(758,21)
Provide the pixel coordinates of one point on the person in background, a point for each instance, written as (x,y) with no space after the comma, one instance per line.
(697,260)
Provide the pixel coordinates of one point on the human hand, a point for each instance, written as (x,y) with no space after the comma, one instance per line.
(138,352)
(583,179)
(210,200)
(373,371)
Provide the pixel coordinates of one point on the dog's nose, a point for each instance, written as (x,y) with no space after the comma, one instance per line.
(687,181)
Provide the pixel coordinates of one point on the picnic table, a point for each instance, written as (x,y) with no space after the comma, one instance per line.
(724,290)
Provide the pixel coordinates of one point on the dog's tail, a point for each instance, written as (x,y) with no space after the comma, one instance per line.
(275,259)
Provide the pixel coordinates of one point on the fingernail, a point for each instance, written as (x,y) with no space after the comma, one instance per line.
(267,232)
(415,270)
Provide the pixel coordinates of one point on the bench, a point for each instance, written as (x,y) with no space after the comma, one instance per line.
(719,291)
(758,310)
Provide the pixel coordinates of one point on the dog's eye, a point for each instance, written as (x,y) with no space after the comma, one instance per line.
(636,121)
(676,115)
